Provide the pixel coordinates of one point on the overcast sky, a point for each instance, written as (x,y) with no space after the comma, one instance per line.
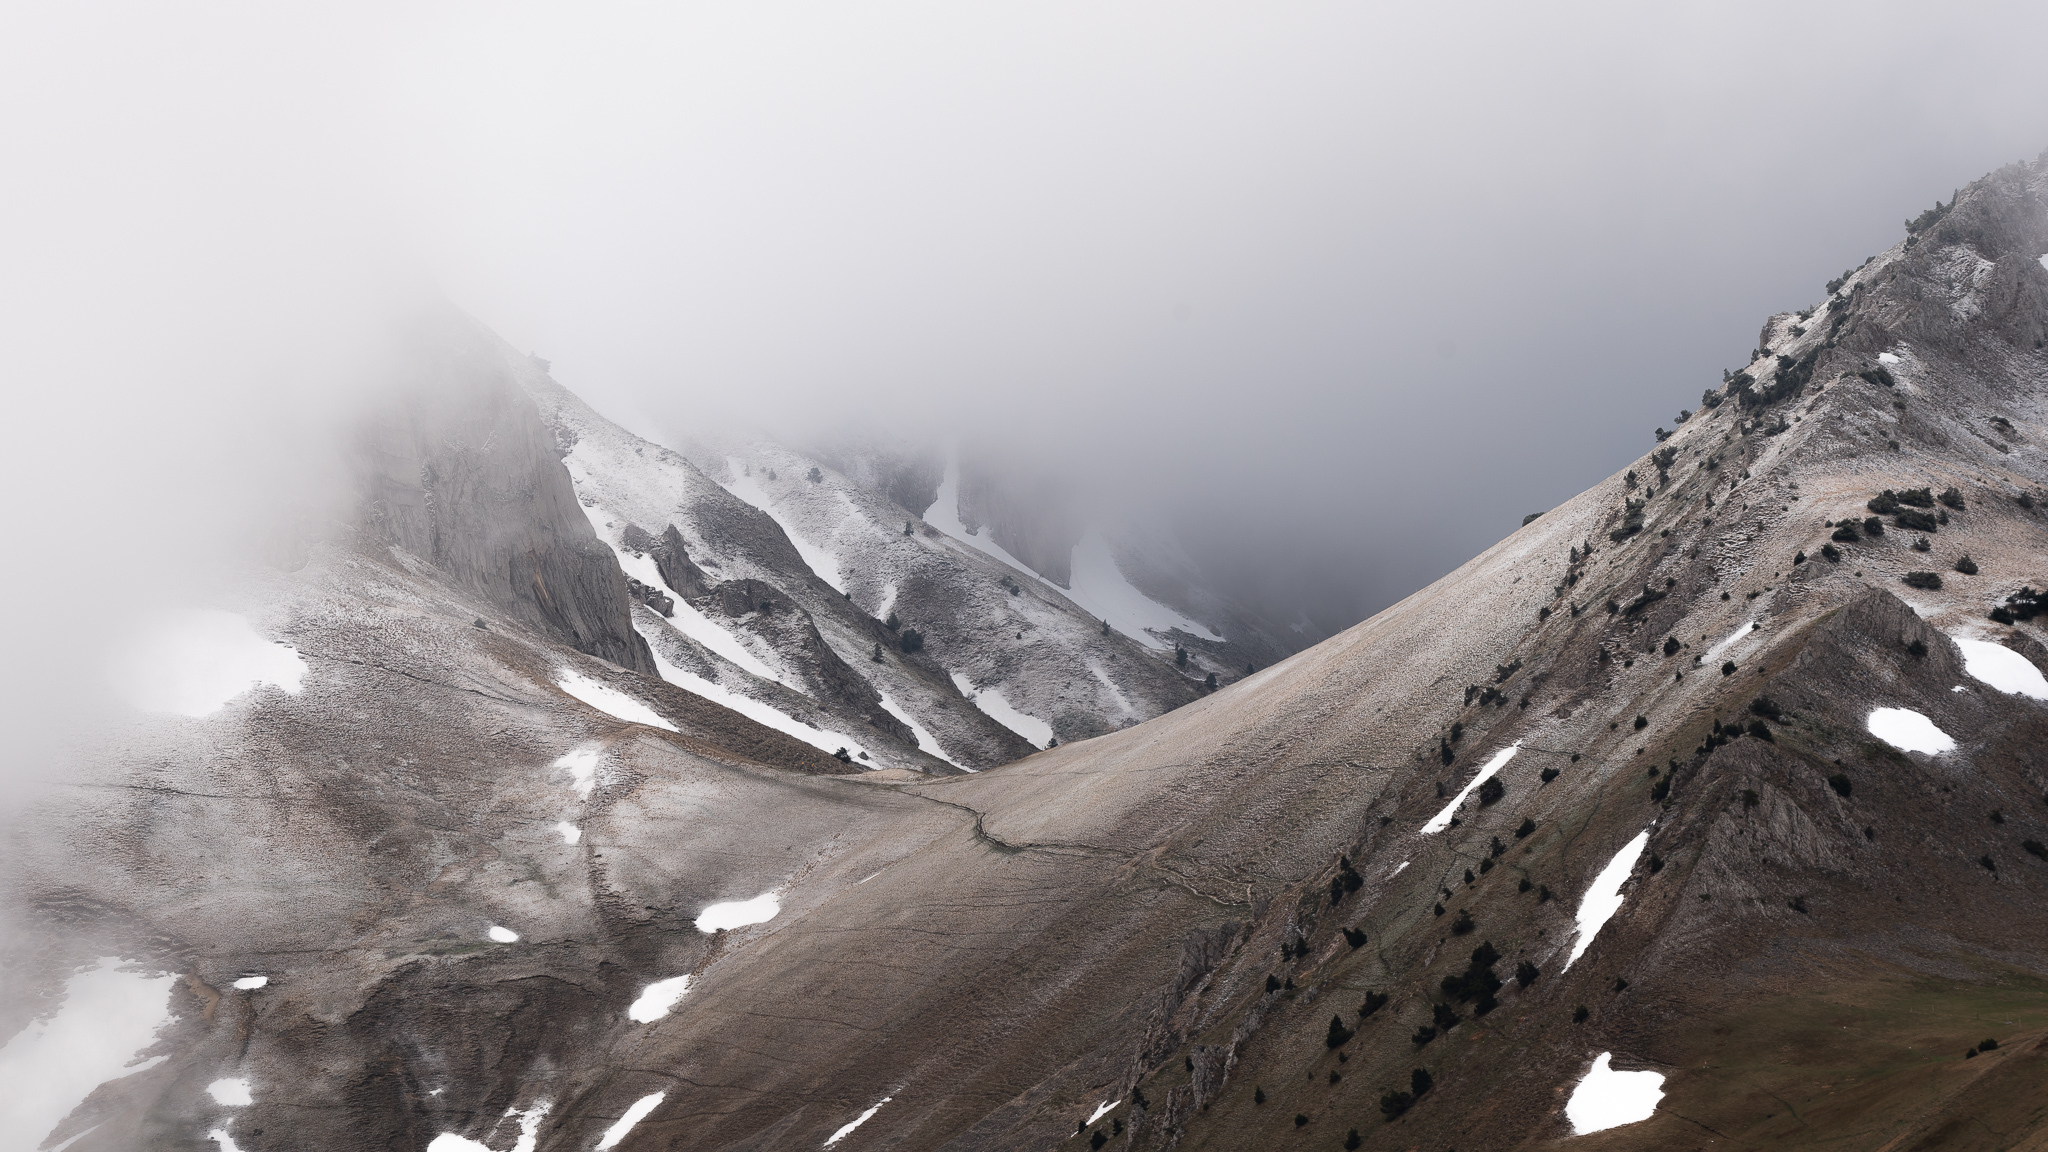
(1344,290)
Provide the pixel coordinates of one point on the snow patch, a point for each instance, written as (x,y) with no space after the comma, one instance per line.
(218,1136)
(1887,359)
(748,487)
(859,1120)
(1442,820)
(1730,640)
(529,1125)
(608,700)
(634,1115)
(761,713)
(926,742)
(2003,669)
(1101,674)
(251,983)
(232,1093)
(502,934)
(1397,870)
(569,833)
(738,913)
(450,1142)
(999,709)
(191,662)
(1607,1099)
(658,998)
(1909,731)
(53,1064)
(1103,1110)
(581,765)
(1099,586)
(1603,899)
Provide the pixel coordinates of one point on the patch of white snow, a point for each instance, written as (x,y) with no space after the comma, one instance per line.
(1442,820)
(1909,731)
(1730,640)
(1097,584)
(658,998)
(1887,359)
(2002,668)
(1603,899)
(634,1115)
(529,1125)
(1607,1099)
(450,1142)
(739,913)
(608,700)
(193,661)
(1103,1110)
(859,1120)
(251,983)
(569,833)
(503,935)
(926,742)
(233,1093)
(1397,870)
(218,1136)
(49,1067)
(749,488)
(581,765)
(998,708)
(759,712)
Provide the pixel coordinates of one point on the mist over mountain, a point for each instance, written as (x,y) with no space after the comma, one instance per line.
(728,578)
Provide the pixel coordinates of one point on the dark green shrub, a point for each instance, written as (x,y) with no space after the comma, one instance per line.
(1620,985)
(1259,1095)
(1210,683)
(1767,708)
(843,756)
(1580,1014)
(815,476)
(1833,554)
(1300,1121)
(1354,937)
(1918,649)
(1749,798)
(1872,526)
(1351,1140)
(1491,791)
(1656,863)
(876,656)
(1547,775)
(1671,645)
(1845,533)
(1952,498)
(1527,826)
(1917,497)
(1420,1081)
(1966,566)
(1642,722)
(892,623)
(1661,790)
(1915,521)
(1927,580)
(1374,1001)
(1272,983)
(1986,1045)
(911,640)
(1443,1017)
(1338,1035)
(1395,1103)
(1423,1035)
(2036,848)
(1728,668)
(1462,923)
(1523,885)
(1921,545)
(1099,1139)
(1988,862)
(906,528)
(1884,503)
(1525,973)
(1180,656)
(1761,731)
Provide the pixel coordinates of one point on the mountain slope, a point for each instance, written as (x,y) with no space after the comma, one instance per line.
(1684,700)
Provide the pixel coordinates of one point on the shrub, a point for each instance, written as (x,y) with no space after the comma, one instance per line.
(1580,1014)
(1884,503)
(876,656)
(1927,580)
(1921,545)
(1491,791)
(1952,498)
(1642,722)
(1351,1140)
(1423,1035)
(1749,798)
(1917,649)
(1272,982)
(1986,1045)
(1966,566)
(1210,683)
(1180,656)
(1443,1018)
(1300,1121)
(1527,826)
(1525,973)
(1098,1140)
(911,640)
(1339,1035)
(1462,923)
(1395,1103)
(843,756)
(1833,554)
(892,623)
(1420,1081)
(1917,497)
(1872,526)
(1728,668)
(1915,521)
(1259,1095)
(1547,775)
(815,476)
(1767,708)
(1620,985)
(2035,848)
(1761,731)
(1988,862)
(906,528)
(1661,790)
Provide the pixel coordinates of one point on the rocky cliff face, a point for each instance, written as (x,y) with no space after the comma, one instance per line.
(458,470)
(1701,774)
